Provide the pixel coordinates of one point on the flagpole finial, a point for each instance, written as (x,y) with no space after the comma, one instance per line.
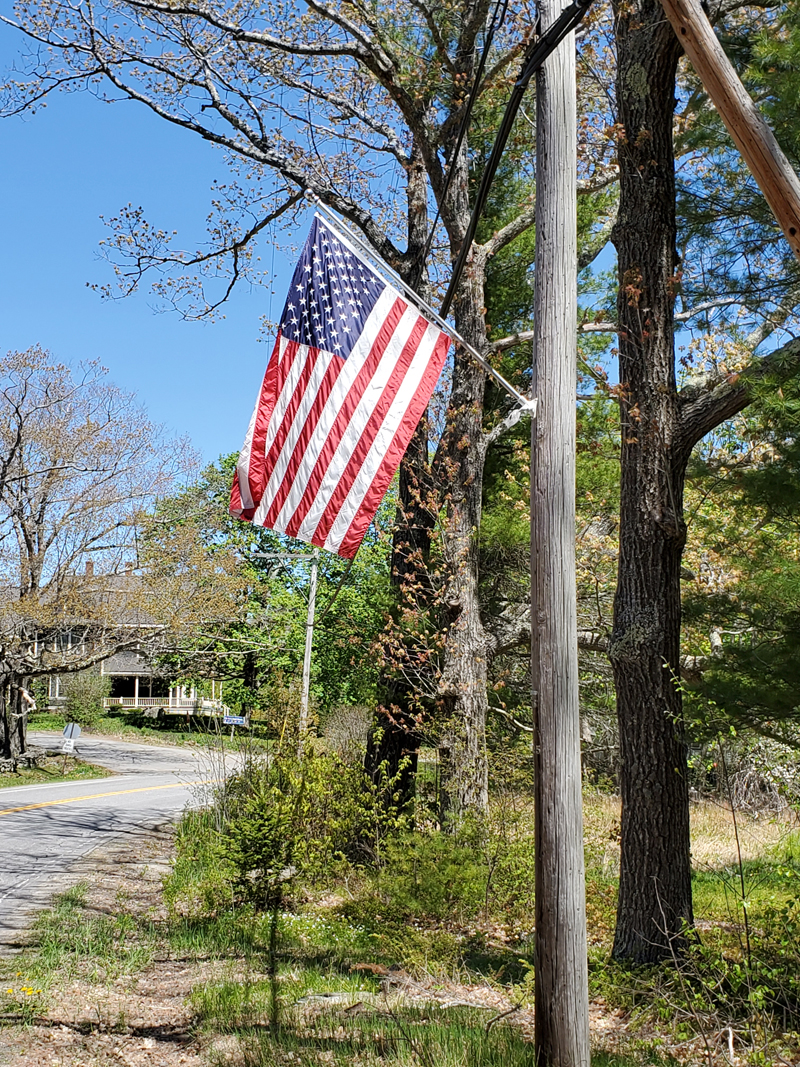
(312,196)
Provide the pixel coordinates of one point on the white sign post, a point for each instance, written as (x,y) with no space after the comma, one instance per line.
(71,733)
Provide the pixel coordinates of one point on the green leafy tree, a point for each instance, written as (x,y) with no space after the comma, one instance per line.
(746,588)
(259,654)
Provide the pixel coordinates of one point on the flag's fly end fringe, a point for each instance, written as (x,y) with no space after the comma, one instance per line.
(349,236)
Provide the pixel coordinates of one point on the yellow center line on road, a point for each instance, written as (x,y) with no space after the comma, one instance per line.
(96,796)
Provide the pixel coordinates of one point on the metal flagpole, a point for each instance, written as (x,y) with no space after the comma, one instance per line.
(312,597)
(350,238)
(292,557)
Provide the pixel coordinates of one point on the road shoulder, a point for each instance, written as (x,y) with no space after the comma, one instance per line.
(134,1019)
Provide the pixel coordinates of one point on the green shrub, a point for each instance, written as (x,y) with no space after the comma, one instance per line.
(288,817)
(84,693)
(201,880)
(432,877)
(752,989)
(46,720)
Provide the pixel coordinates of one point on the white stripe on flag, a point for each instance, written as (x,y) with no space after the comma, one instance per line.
(321,363)
(351,436)
(383,439)
(296,368)
(348,373)
(243,464)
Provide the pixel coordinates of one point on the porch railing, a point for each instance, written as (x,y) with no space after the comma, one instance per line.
(176,705)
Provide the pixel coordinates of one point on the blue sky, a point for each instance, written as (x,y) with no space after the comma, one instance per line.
(61,169)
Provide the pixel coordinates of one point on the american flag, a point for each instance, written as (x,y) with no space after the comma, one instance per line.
(352,371)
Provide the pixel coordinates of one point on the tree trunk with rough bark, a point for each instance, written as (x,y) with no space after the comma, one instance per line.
(13,717)
(655,902)
(452,482)
(460,466)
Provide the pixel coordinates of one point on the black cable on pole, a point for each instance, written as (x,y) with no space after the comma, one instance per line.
(498,18)
(535,56)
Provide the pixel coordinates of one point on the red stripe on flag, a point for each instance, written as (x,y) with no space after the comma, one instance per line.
(256,475)
(360,452)
(343,416)
(391,461)
(270,460)
(235,507)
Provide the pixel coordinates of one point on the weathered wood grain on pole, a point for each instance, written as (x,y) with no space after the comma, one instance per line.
(561,994)
(745,123)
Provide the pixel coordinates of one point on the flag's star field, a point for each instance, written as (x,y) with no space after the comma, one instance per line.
(331,295)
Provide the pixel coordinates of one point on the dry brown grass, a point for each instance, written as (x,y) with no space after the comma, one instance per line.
(714,836)
(712,829)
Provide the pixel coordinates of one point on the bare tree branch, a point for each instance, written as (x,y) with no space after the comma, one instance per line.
(436,37)
(704,405)
(509,233)
(245,36)
(597,327)
(708,305)
(597,241)
(514,339)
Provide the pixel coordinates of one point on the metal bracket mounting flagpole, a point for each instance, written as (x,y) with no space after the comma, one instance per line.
(351,238)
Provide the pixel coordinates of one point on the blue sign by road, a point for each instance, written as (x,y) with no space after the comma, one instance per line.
(234,720)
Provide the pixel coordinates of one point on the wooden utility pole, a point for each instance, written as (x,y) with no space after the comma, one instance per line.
(745,123)
(561,994)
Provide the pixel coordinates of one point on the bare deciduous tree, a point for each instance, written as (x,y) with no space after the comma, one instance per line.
(80,468)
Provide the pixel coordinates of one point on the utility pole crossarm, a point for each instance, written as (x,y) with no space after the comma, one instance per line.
(744,122)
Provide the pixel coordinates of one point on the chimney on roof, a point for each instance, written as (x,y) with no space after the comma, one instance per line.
(89,568)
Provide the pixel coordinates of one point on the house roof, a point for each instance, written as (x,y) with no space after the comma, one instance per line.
(91,600)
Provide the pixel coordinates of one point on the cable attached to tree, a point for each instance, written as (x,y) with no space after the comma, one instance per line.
(534,57)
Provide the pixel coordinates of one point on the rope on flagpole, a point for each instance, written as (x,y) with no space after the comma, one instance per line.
(350,237)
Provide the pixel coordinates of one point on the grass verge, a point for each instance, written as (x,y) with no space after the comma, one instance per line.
(410,964)
(54,769)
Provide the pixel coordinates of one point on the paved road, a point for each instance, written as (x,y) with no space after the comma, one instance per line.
(46,829)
